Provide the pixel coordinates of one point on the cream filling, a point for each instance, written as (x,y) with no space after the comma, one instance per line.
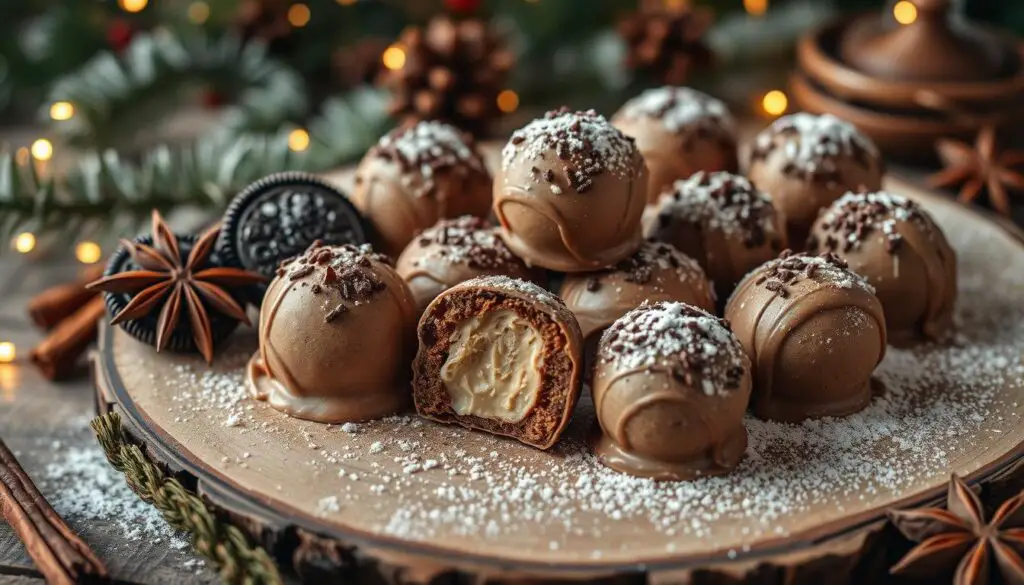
(493,366)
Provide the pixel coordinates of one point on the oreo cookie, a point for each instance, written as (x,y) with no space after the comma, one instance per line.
(144,328)
(279,216)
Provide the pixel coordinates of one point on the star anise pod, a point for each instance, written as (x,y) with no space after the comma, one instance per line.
(978,167)
(958,540)
(167,284)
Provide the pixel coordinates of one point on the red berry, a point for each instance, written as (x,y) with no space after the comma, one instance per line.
(462,5)
(119,34)
(211,99)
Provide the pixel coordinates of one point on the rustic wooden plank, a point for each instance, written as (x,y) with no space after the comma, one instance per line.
(46,425)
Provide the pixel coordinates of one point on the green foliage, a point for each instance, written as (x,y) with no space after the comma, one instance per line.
(115,96)
(238,562)
(104,189)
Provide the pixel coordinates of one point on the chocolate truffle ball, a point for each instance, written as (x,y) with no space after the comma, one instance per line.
(895,245)
(805,162)
(454,250)
(571,192)
(499,355)
(679,131)
(670,391)
(656,272)
(814,331)
(720,220)
(416,175)
(336,337)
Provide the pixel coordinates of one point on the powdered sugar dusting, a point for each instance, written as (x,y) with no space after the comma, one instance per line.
(523,287)
(583,144)
(681,337)
(464,240)
(720,201)
(811,143)
(854,216)
(681,109)
(421,481)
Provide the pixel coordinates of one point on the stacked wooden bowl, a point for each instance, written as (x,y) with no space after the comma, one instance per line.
(908,84)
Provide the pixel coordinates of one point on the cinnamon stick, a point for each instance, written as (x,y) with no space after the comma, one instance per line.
(57,355)
(60,555)
(53,305)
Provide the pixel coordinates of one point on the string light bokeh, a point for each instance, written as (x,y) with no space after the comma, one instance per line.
(775,102)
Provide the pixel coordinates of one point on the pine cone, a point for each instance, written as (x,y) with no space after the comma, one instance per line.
(666,45)
(453,72)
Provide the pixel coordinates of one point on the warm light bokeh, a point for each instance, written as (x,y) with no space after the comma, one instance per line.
(298,140)
(198,12)
(508,101)
(904,12)
(393,57)
(24,242)
(61,111)
(133,5)
(299,15)
(42,149)
(755,7)
(88,252)
(7,352)
(775,102)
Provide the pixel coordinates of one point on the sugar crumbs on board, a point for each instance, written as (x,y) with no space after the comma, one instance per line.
(83,488)
(437,485)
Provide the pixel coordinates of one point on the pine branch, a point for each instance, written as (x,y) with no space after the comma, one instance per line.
(106,189)
(117,95)
(103,186)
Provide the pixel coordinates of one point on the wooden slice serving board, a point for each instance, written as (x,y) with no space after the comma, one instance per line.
(412,500)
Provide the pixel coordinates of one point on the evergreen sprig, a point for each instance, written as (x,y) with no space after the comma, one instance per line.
(106,190)
(237,561)
(115,96)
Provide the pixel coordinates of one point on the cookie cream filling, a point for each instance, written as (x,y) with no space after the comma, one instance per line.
(493,366)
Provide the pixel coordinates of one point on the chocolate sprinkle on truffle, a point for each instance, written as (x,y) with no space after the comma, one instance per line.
(857,215)
(585,142)
(723,201)
(692,342)
(812,144)
(790,268)
(348,272)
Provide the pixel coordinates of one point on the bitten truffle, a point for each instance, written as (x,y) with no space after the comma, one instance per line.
(416,175)
(721,221)
(499,355)
(805,162)
(454,250)
(814,331)
(656,272)
(898,248)
(670,391)
(336,337)
(679,131)
(571,192)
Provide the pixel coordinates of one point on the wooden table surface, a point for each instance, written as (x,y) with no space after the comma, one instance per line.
(46,425)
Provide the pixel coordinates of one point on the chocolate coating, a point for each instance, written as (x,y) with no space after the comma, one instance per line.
(679,131)
(670,391)
(499,355)
(416,175)
(805,162)
(656,272)
(571,192)
(814,331)
(455,250)
(896,246)
(722,221)
(335,338)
